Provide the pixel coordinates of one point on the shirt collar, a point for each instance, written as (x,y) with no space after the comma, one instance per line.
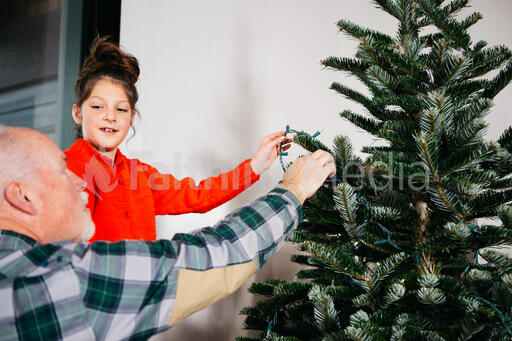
(10,240)
(87,150)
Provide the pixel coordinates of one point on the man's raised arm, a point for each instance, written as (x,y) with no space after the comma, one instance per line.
(214,262)
(164,282)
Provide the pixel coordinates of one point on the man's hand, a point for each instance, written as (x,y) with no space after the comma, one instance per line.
(306,174)
(268,151)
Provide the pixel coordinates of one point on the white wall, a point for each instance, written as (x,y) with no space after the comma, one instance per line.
(216,76)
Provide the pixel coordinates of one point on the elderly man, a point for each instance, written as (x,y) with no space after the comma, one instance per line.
(54,286)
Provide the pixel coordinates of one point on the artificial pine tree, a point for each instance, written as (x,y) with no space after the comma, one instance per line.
(400,245)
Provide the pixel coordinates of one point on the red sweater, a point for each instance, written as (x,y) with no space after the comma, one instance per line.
(125,197)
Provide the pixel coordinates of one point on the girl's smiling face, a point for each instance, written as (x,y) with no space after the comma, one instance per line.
(105,116)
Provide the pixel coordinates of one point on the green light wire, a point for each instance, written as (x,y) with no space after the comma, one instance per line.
(474,261)
(385,230)
(271,323)
(504,319)
(292,131)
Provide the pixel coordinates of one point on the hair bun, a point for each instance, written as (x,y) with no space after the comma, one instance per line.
(107,58)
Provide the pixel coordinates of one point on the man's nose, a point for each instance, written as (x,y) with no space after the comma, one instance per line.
(79,182)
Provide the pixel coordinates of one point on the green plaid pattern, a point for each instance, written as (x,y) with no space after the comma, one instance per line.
(125,290)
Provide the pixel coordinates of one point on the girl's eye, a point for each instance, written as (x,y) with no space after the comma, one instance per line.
(121,109)
(95,106)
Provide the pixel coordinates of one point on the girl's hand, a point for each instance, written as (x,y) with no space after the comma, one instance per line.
(268,151)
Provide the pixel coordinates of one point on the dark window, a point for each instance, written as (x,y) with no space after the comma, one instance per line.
(29,59)
(37,74)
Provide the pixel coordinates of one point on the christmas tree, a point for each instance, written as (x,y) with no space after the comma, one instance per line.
(403,244)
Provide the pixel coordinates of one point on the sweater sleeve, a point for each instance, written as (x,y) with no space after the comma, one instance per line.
(172,196)
(79,168)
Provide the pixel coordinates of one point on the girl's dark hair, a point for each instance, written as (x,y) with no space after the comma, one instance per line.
(107,60)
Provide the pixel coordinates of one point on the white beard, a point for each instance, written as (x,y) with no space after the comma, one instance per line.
(89,227)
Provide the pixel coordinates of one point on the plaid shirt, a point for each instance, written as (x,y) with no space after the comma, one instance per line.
(132,290)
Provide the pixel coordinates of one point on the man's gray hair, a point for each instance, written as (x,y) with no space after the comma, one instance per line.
(15,159)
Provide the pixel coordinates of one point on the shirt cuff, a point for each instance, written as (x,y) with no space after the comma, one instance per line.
(291,197)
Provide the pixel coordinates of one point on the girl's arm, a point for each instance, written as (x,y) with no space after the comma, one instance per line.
(172,196)
(176,197)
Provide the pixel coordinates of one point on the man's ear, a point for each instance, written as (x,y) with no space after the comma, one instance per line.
(77,116)
(16,196)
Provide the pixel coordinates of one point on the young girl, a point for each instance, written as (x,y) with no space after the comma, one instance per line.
(126,194)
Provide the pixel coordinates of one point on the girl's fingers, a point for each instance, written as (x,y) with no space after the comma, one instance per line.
(275,142)
(277,136)
(283,148)
(274,135)
(284,141)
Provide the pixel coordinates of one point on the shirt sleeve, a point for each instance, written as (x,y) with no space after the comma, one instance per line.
(172,196)
(140,288)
